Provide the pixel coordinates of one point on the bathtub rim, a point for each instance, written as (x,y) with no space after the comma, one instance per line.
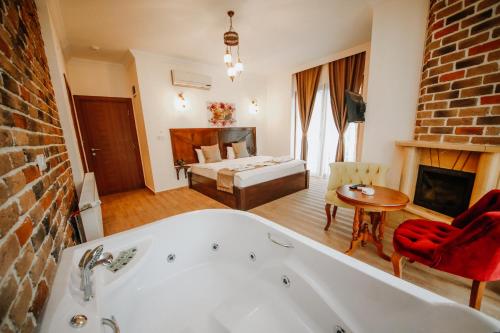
(67,258)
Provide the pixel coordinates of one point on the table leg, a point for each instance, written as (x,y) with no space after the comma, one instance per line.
(363,229)
(378,239)
(355,231)
(381,227)
(368,234)
(375,220)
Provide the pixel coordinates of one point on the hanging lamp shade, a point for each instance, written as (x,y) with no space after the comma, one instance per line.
(232,40)
(231,37)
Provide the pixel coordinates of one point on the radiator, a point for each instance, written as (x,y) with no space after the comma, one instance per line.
(90,209)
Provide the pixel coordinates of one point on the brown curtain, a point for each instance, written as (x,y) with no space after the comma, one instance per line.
(307,84)
(346,73)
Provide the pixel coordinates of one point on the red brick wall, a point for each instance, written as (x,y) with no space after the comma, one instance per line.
(34,205)
(460,91)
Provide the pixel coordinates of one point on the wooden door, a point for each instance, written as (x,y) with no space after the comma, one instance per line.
(110,142)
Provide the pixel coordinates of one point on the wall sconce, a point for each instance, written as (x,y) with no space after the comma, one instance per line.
(181,102)
(254,106)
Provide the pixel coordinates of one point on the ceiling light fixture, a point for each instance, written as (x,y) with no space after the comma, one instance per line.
(232,40)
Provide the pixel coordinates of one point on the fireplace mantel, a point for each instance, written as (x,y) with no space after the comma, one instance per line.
(483,160)
(450,146)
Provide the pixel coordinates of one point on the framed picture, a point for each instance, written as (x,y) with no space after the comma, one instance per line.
(221,114)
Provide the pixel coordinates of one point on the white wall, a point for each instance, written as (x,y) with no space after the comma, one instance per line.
(140,125)
(278,124)
(98,78)
(158,97)
(398,36)
(57,69)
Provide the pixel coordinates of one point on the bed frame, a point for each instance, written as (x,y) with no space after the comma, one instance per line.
(186,140)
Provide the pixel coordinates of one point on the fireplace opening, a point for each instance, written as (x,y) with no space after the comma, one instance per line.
(443,190)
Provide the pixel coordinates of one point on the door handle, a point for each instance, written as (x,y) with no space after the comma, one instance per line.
(93,150)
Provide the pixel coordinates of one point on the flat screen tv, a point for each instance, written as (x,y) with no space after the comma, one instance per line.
(355,107)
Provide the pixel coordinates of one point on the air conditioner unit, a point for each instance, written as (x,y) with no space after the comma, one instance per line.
(191,80)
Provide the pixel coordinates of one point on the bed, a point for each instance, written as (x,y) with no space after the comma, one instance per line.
(251,188)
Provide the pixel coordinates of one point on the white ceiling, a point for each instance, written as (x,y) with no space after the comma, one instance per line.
(274,34)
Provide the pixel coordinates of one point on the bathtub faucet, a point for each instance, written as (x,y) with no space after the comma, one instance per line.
(89,260)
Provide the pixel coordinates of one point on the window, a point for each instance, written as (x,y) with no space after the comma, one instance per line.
(323,136)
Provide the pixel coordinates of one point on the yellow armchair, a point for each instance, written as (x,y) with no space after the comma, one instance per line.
(344,173)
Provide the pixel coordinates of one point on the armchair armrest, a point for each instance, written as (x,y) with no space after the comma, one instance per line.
(475,251)
(489,202)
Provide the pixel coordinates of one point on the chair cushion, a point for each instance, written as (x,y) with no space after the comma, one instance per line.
(418,239)
(332,198)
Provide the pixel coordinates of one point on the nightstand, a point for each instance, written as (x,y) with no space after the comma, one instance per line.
(184,167)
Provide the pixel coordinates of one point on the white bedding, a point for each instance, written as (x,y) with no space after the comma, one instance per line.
(250,177)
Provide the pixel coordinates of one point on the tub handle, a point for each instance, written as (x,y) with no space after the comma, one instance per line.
(287,245)
(111,323)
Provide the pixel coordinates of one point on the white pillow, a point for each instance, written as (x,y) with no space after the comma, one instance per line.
(230,153)
(201,157)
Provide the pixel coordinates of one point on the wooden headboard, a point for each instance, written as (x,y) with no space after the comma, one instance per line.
(186,140)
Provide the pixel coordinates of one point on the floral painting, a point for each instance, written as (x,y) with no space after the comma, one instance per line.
(221,114)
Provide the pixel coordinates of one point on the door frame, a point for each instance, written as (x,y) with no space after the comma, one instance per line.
(76,125)
(82,138)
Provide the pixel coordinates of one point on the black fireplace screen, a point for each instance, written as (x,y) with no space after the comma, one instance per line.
(443,190)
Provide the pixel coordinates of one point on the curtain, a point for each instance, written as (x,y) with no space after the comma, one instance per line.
(307,84)
(346,73)
(322,135)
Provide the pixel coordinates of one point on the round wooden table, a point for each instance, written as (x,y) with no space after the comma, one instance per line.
(384,200)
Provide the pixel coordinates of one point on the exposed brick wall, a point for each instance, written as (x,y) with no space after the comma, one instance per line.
(34,205)
(460,87)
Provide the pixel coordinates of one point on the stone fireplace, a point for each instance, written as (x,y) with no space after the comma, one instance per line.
(459,100)
(457,128)
(443,179)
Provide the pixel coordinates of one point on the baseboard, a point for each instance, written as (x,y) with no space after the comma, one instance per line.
(150,189)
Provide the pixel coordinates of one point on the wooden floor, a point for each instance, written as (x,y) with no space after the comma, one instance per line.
(302,212)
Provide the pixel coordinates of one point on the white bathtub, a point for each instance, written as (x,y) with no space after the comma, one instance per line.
(240,286)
